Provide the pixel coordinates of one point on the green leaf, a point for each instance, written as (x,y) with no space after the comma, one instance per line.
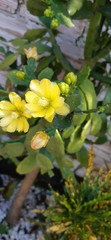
(88,90)
(74,5)
(109,129)
(46,73)
(56,146)
(73,100)
(103,125)
(14,149)
(27,165)
(86,129)
(44,62)
(68,131)
(43,163)
(8,61)
(61,122)
(79,118)
(96,123)
(107,101)
(85,12)
(9,189)
(3,94)
(36,7)
(83,75)
(12,77)
(33,34)
(61,13)
(82,156)
(2,49)
(75,141)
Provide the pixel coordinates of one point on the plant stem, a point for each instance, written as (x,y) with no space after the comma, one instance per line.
(59,56)
(17,204)
(93,35)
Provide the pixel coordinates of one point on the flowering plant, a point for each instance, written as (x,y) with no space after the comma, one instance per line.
(48,108)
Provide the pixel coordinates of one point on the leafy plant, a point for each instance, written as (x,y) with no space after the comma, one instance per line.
(83,210)
(35,100)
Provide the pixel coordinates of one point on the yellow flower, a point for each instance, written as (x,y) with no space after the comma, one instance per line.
(44,100)
(13,114)
(39,140)
(31,53)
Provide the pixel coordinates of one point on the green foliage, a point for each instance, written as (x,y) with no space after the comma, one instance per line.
(79,88)
(82,211)
(74,6)
(8,61)
(36,7)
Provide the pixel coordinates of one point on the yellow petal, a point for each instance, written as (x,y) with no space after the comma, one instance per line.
(20,124)
(25,125)
(5,121)
(12,127)
(57,102)
(35,87)
(64,110)
(5,105)
(50,118)
(39,113)
(31,97)
(15,99)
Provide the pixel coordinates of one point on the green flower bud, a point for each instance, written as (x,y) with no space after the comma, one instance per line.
(70,78)
(20,75)
(54,23)
(64,88)
(48,12)
(102,109)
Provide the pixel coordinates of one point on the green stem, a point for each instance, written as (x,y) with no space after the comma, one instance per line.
(101,78)
(58,54)
(100,55)
(94,30)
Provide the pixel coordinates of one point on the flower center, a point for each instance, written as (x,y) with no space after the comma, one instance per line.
(44,102)
(15,115)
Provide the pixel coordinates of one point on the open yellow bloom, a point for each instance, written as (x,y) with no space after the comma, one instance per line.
(14,114)
(44,100)
(31,53)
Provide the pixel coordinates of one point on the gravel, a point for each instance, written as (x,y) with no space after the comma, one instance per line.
(26,229)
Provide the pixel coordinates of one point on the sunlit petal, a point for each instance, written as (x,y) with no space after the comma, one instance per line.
(5,121)
(35,87)
(64,110)
(12,126)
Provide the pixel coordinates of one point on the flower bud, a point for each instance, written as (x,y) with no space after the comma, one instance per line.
(70,78)
(54,23)
(48,12)
(64,88)
(20,75)
(31,53)
(39,140)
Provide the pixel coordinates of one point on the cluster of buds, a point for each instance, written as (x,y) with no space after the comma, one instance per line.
(70,78)
(49,13)
(20,75)
(54,23)
(64,88)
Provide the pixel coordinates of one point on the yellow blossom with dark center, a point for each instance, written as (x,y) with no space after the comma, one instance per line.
(44,100)
(13,114)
